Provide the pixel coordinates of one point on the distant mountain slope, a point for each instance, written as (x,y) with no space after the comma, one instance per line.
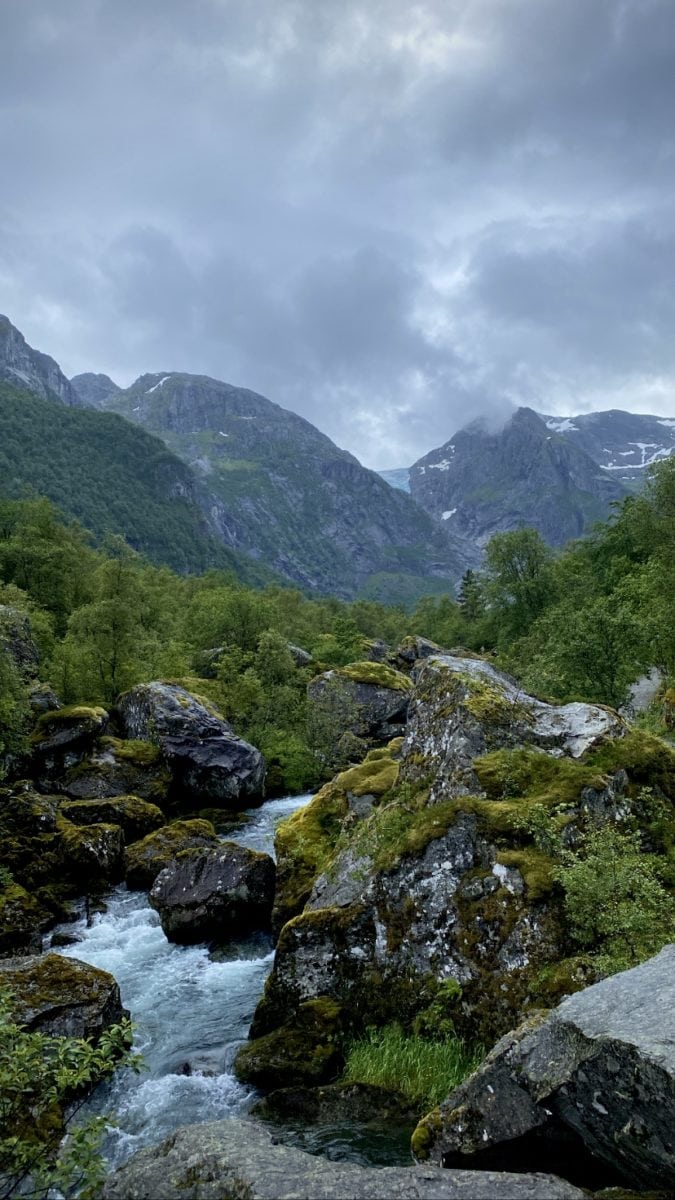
(25,367)
(623,444)
(282,492)
(93,390)
(527,473)
(110,475)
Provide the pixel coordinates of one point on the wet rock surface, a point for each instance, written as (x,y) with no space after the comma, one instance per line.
(145,859)
(600,1067)
(215,894)
(61,996)
(209,764)
(239,1159)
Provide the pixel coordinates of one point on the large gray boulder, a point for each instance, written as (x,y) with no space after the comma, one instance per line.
(241,1160)
(215,894)
(367,699)
(601,1065)
(61,996)
(438,878)
(62,738)
(209,764)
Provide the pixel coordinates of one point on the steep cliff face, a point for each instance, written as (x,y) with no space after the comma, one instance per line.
(25,367)
(484,482)
(277,489)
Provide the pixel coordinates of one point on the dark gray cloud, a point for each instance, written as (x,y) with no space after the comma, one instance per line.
(388,217)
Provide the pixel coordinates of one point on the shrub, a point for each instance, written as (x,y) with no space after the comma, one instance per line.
(43,1083)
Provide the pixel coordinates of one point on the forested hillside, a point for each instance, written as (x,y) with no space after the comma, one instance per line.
(582,624)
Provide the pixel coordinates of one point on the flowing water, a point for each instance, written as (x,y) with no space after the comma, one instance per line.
(191,1013)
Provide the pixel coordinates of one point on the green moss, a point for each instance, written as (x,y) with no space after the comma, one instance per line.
(377,674)
(141,754)
(305,1050)
(488,703)
(424,1135)
(148,856)
(535,867)
(373,777)
(50,722)
(404,826)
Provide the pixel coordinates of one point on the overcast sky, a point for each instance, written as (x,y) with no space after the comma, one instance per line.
(386,215)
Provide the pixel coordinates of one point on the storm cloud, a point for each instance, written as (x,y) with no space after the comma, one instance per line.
(389,217)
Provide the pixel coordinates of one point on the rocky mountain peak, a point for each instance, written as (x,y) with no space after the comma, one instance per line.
(93,389)
(27,368)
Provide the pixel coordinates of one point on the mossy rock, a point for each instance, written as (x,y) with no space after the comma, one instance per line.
(135,817)
(74,720)
(94,853)
(117,767)
(306,842)
(306,1051)
(362,1103)
(61,996)
(376,674)
(146,858)
(21,921)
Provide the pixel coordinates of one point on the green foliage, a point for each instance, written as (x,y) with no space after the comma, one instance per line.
(14,711)
(42,1083)
(614,898)
(423,1071)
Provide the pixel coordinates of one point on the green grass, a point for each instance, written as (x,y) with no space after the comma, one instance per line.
(424,1072)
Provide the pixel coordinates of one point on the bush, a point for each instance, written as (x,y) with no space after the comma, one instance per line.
(43,1083)
(423,1071)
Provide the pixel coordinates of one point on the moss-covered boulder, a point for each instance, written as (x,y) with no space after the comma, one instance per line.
(209,764)
(446,874)
(367,699)
(598,1070)
(413,648)
(118,767)
(62,996)
(215,895)
(21,920)
(146,858)
(95,853)
(135,817)
(62,738)
(307,1050)
(305,842)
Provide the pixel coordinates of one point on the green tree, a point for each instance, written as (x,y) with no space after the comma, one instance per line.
(518,579)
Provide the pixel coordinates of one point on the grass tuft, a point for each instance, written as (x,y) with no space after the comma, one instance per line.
(423,1071)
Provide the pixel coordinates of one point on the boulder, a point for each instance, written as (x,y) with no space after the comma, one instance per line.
(21,920)
(368,699)
(215,895)
(360,1103)
(301,658)
(240,1159)
(600,1067)
(42,699)
(209,764)
(438,878)
(135,817)
(61,996)
(62,738)
(118,767)
(16,639)
(307,1051)
(304,841)
(94,853)
(413,648)
(145,859)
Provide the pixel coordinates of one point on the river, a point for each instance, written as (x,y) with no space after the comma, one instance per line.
(190,1012)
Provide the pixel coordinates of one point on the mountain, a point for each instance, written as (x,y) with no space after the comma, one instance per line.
(110,476)
(93,390)
(277,489)
(526,473)
(25,367)
(623,444)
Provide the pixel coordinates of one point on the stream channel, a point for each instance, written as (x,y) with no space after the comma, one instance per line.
(191,1011)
